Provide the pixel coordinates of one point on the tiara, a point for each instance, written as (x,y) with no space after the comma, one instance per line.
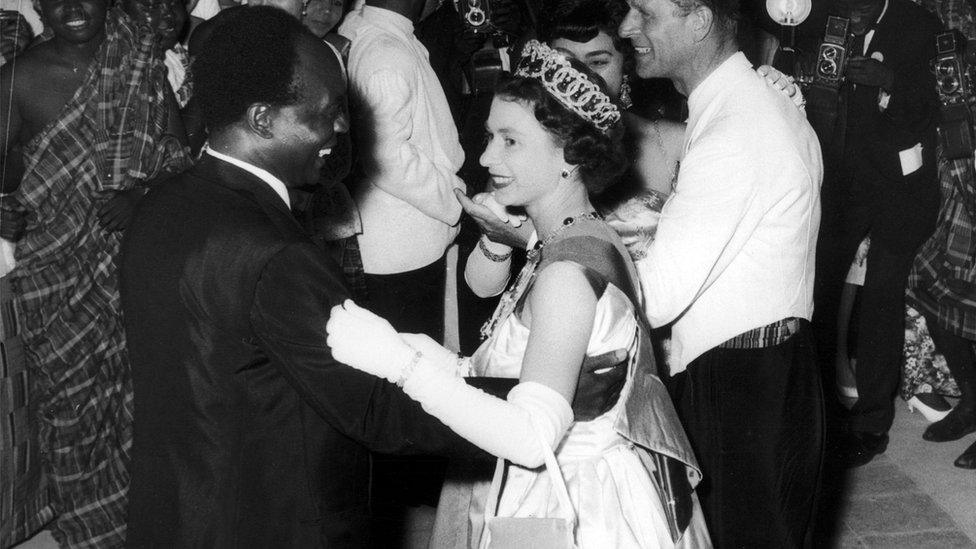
(569,86)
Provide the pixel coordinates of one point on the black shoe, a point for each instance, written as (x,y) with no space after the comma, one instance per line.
(861,447)
(968,458)
(960,422)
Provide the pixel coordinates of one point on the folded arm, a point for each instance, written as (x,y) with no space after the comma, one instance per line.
(399,167)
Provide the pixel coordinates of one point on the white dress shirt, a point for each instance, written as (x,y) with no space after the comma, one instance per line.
(277,185)
(735,245)
(409,141)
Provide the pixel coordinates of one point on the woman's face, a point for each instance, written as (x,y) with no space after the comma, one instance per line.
(523,160)
(321,16)
(597,54)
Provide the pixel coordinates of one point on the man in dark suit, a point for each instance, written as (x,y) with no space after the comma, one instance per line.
(247,432)
(880,180)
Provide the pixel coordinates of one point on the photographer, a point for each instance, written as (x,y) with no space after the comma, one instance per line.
(876,116)
(941,285)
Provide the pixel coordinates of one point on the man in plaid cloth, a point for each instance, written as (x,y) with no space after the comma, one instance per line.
(88,123)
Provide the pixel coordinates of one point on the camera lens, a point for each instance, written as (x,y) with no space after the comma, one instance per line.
(828,53)
(948,85)
(945,69)
(827,67)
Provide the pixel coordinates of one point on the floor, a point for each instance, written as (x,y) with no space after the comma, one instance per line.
(910,497)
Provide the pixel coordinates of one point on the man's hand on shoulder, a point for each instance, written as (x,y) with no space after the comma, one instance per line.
(116,214)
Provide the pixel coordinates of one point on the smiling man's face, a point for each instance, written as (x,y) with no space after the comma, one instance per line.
(661,35)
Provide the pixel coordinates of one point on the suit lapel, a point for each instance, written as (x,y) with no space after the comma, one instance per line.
(250,186)
(883,32)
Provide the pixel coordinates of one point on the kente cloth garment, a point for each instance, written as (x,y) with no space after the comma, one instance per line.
(943,278)
(177,60)
(110,136)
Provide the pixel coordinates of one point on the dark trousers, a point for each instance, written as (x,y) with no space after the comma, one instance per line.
(755,420)
(960,355)
(898,215)
(412,302)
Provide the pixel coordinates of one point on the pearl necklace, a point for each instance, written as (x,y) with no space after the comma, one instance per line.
(510,298)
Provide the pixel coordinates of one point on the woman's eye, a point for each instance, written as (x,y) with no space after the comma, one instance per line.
(599,64)
(509,142)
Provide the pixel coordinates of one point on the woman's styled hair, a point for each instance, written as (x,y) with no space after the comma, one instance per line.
(600,155)
(583,20)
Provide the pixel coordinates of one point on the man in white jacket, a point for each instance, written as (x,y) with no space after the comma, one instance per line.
(731,270)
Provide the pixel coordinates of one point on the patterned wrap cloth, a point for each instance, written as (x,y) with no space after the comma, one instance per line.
(109,137)
(943,278)
(942,283)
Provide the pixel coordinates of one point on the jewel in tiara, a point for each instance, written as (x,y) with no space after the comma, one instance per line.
(569,86)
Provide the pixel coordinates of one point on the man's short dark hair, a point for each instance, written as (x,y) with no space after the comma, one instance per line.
(725,12)
(250,58)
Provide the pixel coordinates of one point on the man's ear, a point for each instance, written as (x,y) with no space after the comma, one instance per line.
(260,119)
(701,20)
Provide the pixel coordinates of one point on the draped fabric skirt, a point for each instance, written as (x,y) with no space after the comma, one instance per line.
(615,500)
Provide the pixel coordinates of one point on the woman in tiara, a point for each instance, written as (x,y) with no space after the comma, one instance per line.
(568,328)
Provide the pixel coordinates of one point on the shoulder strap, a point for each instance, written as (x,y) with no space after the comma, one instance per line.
(599,255)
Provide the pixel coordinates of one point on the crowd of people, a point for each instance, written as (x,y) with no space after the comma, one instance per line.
(574,271)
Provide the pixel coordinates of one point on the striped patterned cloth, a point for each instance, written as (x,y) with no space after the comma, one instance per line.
(943,278)
(24,498)
(109,137)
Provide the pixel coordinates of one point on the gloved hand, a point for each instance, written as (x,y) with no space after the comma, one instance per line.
(367,342)
(439,356)
(496,223)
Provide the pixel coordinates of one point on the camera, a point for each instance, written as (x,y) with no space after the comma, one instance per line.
(954,84)
(953,79)
(833,53)
(475,14)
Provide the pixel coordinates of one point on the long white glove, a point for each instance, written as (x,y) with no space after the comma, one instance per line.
(439,355)
(512,429)
(488,200)
(367,342)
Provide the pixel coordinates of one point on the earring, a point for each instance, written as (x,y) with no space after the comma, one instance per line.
(304,9)
(565,174)
(624,98)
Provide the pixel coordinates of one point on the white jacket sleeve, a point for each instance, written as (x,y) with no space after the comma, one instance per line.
(388,97)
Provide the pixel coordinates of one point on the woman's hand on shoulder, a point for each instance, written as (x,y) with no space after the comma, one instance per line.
(367,342)
(784,83)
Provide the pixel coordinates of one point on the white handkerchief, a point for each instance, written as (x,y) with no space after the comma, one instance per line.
(7,261)
(911,159)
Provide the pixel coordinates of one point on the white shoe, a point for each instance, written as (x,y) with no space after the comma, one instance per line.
(931,414)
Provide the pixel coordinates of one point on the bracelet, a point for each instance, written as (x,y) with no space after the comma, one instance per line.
(408,369)
(497,258)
